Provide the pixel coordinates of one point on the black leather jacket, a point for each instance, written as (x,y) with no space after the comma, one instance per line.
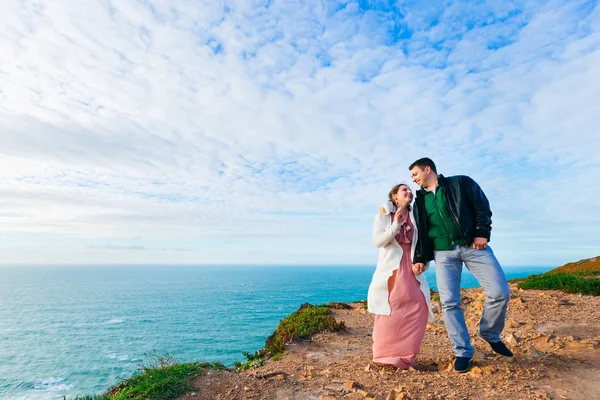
(468,206)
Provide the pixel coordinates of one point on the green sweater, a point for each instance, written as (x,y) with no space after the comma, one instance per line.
(443,231)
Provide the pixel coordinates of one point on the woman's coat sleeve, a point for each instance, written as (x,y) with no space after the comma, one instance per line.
(382,236)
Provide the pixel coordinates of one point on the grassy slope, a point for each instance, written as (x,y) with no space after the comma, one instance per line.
(582,266)
(577,277)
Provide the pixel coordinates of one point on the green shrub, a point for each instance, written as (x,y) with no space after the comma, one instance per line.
(161,383)
(301,324)
(587,273)
(161,379)
(567,282)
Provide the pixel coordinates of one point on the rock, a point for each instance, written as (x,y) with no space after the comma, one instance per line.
(338,387)
(488,369)
(476,372)
(327,397)
(391,396)
(350,384)
(364,393)
(532,352)
(512,340)
(579,345)
(512,323)
(308,372)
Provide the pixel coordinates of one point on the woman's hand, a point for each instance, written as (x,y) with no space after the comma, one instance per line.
(398,216)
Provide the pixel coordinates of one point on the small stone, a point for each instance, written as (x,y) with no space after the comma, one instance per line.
(350,384)
(246,389)
(512,339)
(336,387)
(391,396)
(327,397)
(362,392)
(488,369)
(579,345)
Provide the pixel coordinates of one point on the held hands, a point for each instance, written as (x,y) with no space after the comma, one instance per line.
(479,243)
(418,268)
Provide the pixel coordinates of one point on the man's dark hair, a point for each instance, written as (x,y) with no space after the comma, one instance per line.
(424,162)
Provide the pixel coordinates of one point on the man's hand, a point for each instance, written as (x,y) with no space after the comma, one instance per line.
(418,268)
(479,243)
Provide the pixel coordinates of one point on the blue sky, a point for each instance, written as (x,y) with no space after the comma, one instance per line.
(270,131)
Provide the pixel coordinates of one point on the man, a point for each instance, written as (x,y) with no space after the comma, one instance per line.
(454,221)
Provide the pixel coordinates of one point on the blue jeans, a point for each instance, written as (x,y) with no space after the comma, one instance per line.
(486,269)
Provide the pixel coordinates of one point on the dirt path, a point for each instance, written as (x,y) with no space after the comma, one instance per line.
(555,337)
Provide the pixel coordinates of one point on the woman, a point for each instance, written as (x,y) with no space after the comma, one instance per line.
(398,294)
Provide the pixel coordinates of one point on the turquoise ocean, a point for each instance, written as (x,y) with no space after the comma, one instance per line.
(71,330)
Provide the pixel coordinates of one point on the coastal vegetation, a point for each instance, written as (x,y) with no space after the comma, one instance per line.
(580,277)
(301,324)
(162,379)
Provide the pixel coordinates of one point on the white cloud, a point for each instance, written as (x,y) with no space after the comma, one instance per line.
(269,132)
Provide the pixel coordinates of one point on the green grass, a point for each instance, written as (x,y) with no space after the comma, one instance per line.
(301,324)
(161,380)
(574,282)
(576,277)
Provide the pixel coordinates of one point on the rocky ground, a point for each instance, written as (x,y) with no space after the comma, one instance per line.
(555,337)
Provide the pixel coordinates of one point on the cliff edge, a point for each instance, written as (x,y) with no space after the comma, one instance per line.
(555,337)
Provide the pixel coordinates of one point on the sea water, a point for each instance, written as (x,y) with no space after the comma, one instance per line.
(71,330)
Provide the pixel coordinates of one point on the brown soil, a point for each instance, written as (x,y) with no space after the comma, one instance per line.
(589,264)
(555,337)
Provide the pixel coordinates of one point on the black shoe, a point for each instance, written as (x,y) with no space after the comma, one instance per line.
(463,364)
(499,348)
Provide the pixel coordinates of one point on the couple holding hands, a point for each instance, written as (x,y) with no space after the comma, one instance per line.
(449,223)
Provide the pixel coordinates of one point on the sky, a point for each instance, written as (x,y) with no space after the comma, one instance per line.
(270,132)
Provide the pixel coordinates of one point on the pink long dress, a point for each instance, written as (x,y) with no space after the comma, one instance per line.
(397,337)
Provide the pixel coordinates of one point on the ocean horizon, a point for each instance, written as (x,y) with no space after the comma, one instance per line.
(69,330)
